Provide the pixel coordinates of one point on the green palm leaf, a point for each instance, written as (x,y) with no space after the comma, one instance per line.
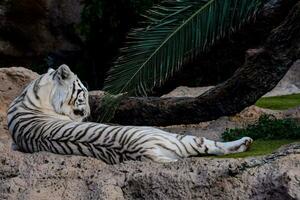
(174,33)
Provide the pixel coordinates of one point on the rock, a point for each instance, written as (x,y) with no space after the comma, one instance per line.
(291,113)
(13,80)
(289,84)
(32,28)
(49,176)
(252,114)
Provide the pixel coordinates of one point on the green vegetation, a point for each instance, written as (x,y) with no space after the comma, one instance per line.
(268,133)
(109,104)
(267,128)
(279,102)
(260,147)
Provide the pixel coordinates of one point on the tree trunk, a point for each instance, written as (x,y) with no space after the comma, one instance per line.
(263,69)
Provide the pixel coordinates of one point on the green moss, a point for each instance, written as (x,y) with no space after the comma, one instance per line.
(279,102)
(260,147)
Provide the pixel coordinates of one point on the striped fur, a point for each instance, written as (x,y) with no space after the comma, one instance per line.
(48,116)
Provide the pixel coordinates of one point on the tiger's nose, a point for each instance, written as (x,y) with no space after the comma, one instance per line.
(79,112)
(80,101)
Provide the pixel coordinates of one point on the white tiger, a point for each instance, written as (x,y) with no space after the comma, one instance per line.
(48,115)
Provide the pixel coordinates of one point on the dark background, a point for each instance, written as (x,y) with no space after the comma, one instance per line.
(86,35)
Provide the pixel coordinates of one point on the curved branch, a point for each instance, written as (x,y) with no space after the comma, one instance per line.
(262,70)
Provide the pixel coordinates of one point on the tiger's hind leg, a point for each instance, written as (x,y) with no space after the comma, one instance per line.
(197,146)
(162,146)
(174,147)
(159,154)
(205,146)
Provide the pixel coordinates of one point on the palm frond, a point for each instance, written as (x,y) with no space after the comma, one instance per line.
(173,33)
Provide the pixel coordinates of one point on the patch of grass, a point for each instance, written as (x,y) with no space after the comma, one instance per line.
(260,147)
(279,102)
(267,128)
(268,133)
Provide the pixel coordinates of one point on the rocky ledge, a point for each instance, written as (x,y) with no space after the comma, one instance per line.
(48,176)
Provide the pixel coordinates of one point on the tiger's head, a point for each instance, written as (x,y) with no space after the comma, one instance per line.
(62,92)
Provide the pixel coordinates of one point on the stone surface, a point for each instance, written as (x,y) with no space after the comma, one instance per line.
(31,28)
(290,83)
(43,176)
(12,82)
(48,176)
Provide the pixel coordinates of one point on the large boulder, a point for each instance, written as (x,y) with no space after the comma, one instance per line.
(13,80)
(31,29)
(48,176)
(289,84)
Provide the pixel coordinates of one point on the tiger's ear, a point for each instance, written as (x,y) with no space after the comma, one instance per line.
(50,70)
(64,72)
